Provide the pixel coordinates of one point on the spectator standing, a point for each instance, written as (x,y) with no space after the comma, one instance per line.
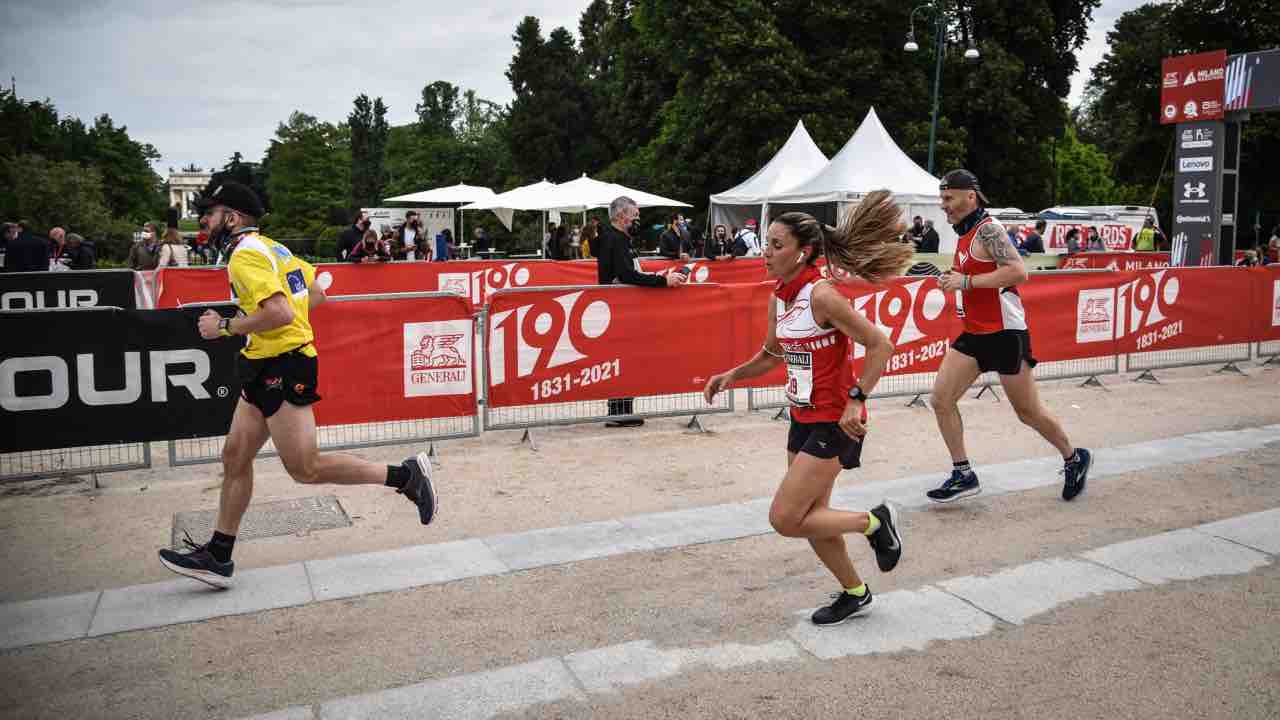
(916,233)
(746,241)
(617,263)
(1034,241)
(173,252)
(671,244)
(444,246)
(1146,239)
(79,253)
(560,241)
(718,246)
(57,243)
(26,252)
(1095,240)
(369,249)
(547,251)
(145,253)
(1073,241)
(350,237)
(410,233)
(396,248)
(590,235)
(481,240)
(930,241)
(1273,246)
(575,244)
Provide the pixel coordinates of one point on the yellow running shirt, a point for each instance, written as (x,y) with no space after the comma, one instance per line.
(259,268)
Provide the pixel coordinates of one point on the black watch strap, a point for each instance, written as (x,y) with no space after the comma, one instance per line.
(856,393)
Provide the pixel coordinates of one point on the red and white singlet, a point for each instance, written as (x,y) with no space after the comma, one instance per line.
(819,360)
(985,310)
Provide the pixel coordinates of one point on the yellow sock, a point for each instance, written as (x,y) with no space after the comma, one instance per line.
(873,524)
(858,591)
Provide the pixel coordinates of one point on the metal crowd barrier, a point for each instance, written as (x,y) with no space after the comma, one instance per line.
(1227,355)
(1269,350)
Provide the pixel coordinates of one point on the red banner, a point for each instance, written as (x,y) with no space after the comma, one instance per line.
(1122,261)
(547,346)
(395,359)
(750,305)
(1117,237)
(919,318)
(1266,302)
(724,272)
(1182,308)
(1193,87)
(1071,315)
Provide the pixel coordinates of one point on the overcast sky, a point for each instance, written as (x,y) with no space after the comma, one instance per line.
(203,80)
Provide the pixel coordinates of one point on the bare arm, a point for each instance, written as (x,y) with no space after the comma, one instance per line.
(315,296)
(274,312)
(1010,269)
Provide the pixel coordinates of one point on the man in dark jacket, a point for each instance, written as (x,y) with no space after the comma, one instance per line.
(79,253)
(672,244)
(930,240)
(350,237)
(617,263)
(27,252)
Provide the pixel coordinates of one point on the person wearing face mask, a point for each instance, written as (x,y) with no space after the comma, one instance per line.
(410,234)
(145,253)
(350,237)
(616,262)
(278,369)
(719,246)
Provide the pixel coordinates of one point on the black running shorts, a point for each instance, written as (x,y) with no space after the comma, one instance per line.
(825,440)
(268,382)
(1002,351)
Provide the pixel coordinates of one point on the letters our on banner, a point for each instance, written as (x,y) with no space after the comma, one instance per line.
(598,343)
(67,289)
(1123,261)
(110,376)
(395,359)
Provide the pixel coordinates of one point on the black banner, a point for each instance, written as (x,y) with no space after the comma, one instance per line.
(69,289)
(91,377)
(1197,192)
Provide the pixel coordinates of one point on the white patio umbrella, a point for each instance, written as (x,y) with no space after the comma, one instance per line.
(459,194)
(585,193)
(514,199)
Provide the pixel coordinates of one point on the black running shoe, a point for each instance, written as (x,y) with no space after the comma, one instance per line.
(844,607)
(885,540)
(419,489)
(198,564)
(1076,473)
(959,485)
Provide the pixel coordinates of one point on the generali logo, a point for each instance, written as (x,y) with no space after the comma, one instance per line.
(1095,315)
(1275,304)
(437,358)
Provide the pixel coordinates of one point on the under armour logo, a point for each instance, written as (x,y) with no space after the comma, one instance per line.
(1190,190)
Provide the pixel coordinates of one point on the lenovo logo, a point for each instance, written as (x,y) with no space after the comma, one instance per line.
(59,382)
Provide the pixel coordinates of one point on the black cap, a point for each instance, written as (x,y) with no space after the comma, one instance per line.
(963,180)
(233,195)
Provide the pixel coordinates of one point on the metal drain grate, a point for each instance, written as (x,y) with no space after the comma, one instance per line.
(269,519)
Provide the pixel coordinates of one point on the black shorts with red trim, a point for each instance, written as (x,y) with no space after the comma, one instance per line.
(1002,351)
(825,440)
(269,382)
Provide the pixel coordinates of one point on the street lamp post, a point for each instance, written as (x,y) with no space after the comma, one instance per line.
(971,54)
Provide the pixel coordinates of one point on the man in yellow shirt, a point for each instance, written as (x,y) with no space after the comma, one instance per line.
(1146,239)
(278,371)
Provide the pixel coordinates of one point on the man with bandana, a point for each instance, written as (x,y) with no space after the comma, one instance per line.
(278,371)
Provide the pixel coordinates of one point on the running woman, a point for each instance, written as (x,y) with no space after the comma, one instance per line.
(278,370)
(810,327)
(986,272)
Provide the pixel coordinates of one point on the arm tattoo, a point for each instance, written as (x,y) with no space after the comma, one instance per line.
(996,243)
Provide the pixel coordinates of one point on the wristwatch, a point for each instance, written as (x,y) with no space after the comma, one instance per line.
(856,394)
(224,326)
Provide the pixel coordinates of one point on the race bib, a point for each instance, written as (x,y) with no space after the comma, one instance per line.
(799,378)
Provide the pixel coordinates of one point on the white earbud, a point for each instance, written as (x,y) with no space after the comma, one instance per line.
(800,259)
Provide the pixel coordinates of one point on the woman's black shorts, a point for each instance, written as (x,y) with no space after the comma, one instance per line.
(825,440)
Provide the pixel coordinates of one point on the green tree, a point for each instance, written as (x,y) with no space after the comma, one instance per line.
(250,174)
(67,194)
(368,130)
(1083,172)
(439,109)
(309,176)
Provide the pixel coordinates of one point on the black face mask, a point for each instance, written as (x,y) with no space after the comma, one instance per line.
(219,234)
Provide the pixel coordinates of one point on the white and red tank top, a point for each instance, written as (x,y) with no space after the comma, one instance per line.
(819,360)
(985,310)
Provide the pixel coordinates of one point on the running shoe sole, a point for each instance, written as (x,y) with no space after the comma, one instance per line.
(208,578)
(862,612)
(958,496)
(424,464)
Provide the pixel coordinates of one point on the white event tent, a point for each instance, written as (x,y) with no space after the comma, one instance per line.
(797,160)
(871,161)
